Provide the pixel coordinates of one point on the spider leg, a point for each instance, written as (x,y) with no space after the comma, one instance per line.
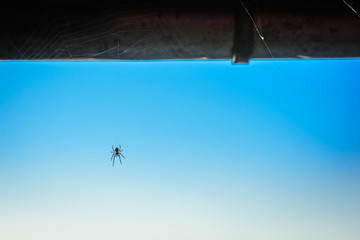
(122,155)
(113,147)
(113,159)
(120,160)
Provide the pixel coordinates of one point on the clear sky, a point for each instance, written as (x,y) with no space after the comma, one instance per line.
(264,151)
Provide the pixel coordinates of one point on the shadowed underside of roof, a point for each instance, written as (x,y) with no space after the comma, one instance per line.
(144,30)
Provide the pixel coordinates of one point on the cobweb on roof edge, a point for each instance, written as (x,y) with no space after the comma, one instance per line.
(65,32)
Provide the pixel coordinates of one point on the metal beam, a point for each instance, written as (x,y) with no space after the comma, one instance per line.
(237,30)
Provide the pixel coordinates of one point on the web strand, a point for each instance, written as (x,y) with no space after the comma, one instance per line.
(257,29)
(347,4)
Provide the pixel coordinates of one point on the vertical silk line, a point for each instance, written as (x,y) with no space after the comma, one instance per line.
(258,15)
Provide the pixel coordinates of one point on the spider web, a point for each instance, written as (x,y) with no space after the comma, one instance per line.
(74,31)
(99,30)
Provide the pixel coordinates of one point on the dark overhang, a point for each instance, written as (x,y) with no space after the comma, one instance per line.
(148,30)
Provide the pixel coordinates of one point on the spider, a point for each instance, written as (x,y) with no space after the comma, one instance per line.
(116,153)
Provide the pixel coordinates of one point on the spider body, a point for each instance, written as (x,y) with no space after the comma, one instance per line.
(116,153)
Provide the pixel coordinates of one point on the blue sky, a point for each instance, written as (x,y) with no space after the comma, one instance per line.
(213,150)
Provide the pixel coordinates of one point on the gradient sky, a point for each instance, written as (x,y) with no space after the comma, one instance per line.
(264,151)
